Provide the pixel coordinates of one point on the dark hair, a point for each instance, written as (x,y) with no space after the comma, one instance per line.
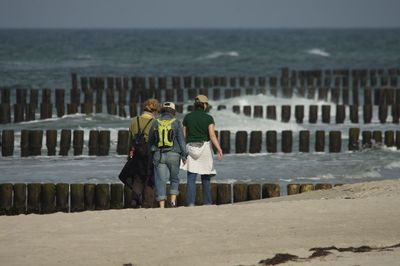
(168,110)
(199,105)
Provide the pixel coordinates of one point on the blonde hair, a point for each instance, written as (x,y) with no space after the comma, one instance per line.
(151,105)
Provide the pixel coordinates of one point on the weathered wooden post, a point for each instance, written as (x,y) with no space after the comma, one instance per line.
(255,141)
(62,197)
(35,142)
(326,114)
(225,141)
(340,113)
(293,189)
(7,142)
(323,186)
(354,114)
(93,142)
(46,110)
(51,141)
(77,198)
(102,196)
(335,95)
(272,141)
(19,112)
(122,144)
(65,142)
(104,142)
(366,139)
(287,141)
(320,141)
(5,113)
(299,113)
(270,191)
(78,142)
(241,142)
(60,102)
(304,141)
(377,136)
(6,197)
(117,196)
(236,109)
(285,114)
(335,141)
(306,188)
(389,138)
(239,192)
(367,96)
(383,112)
(313,114)
(271,112)
(354,134)
(254,192)
(90,196)
(367,114)
(33,201)
(224,194)
(48,198)
(247,110)
(19,198)
(258,111)
(25,146)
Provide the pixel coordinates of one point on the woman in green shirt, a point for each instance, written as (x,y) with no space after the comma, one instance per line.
(199,130)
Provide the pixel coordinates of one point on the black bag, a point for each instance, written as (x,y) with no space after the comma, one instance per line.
(141,162)
(139,144)
(127,173)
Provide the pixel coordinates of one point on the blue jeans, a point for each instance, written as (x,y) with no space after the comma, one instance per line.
(166,166)
(191,189)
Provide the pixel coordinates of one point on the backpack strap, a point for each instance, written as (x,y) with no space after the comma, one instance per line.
(147,124)
(138,123)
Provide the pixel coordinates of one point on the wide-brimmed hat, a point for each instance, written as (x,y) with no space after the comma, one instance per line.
(169,105)
(201,99)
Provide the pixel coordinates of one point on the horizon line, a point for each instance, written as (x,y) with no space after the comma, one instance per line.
(202,28)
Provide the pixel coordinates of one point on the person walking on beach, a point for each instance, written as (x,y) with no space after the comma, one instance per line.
(139,153)
(168,146)
(199,130)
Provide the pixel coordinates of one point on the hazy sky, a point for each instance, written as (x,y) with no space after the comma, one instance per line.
(198,13)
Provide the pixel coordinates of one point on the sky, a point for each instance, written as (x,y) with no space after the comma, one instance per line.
(199,13)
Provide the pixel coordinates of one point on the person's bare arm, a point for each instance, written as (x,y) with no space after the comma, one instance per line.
(214,140)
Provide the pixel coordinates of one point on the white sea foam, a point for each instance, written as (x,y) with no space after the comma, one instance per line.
(393,165)
(218,54)
(320,52)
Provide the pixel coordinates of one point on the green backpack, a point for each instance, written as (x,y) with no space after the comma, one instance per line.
(165,134)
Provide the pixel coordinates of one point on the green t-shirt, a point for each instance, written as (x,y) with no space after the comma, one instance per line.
(196,124)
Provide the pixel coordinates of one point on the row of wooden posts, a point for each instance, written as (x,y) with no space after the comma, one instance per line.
(288,78)
(21,198)
(99,141)
(257,111)
(24,111)
(376,95)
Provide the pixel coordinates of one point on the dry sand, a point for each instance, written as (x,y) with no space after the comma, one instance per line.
(240,234)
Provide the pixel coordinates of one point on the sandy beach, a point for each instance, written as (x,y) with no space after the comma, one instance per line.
(239,234)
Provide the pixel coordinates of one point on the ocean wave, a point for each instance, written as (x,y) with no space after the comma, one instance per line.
(218,54)
(393,165)
(83,57)
(320,52)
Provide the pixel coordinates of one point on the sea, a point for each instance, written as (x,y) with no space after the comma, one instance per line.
(45,58)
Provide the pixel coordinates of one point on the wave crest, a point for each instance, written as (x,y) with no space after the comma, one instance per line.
(320,52)
(218,54)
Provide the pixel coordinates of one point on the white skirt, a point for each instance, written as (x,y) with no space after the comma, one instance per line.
(200,159)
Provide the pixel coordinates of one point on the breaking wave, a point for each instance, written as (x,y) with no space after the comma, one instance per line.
(319,52)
